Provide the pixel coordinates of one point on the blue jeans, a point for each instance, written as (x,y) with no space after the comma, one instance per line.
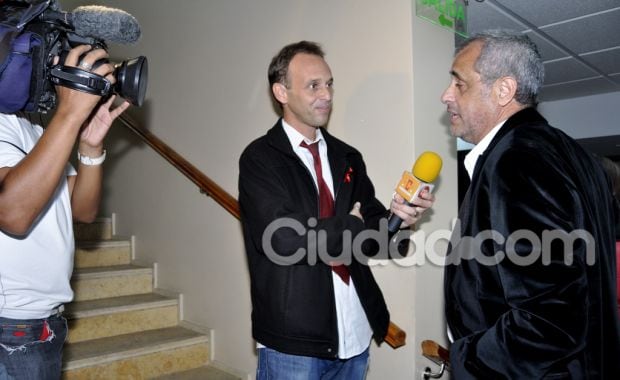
(32,348)
(274,365)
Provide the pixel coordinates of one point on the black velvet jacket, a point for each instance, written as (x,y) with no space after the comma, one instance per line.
(293,307)
(516,313)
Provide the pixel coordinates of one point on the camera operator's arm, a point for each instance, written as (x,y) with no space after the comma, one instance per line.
(86,186)
(26,188)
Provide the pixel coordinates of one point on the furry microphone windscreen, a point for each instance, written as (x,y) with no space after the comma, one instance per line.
(108,24)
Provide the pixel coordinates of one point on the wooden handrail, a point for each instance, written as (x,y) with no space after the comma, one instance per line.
(395,336)
(204,183)
(435,352)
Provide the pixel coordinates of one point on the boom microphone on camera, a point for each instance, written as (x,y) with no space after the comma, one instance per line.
(425,170)
(105,23)
(99,22)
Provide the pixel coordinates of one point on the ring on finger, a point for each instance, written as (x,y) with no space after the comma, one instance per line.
(85,65)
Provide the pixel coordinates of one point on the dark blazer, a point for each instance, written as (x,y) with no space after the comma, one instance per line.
(293,307)
(519,313)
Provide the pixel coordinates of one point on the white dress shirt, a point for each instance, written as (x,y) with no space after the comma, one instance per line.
(354,332)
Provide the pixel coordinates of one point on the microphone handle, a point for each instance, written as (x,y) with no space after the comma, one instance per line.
(394,221)
(57,17)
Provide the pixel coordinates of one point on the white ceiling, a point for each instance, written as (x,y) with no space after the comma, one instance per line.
(579,40)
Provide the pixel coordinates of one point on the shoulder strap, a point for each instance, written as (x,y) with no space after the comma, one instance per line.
(20,149)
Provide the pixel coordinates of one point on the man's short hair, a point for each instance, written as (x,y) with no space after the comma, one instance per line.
(507,53)
(278,68)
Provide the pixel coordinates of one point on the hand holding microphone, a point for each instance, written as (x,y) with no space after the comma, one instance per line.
(355,211)
(425,170)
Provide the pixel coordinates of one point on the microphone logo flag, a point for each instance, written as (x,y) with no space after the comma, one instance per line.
(425,170)
(410,187)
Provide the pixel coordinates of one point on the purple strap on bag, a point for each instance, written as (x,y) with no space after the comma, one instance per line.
(16,69)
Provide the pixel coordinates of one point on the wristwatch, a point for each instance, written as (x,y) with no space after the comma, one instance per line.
(91,161)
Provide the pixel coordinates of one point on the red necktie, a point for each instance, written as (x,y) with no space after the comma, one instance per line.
(326,202)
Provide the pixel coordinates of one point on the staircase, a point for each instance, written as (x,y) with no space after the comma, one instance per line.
(119,326)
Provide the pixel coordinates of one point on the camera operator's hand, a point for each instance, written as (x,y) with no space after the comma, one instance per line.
(97,127)
(78,105)
(97,123)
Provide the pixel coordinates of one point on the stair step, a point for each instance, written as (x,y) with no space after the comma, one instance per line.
(111,281)
(100,229)
(120,315)
(138,355)
(118,327)
(98,253)
(201,373)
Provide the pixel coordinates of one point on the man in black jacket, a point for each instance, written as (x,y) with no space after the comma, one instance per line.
(530,281)
(306,202)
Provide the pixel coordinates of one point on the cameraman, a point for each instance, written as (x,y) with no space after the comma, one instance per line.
(41,195)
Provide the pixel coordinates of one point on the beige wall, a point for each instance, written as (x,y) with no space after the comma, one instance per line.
(208,98)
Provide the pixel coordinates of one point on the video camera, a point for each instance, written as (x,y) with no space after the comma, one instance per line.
(34,32)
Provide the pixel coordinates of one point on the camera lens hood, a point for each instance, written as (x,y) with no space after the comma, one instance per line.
(131,80)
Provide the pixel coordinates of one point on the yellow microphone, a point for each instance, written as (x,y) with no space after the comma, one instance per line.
(425,170)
